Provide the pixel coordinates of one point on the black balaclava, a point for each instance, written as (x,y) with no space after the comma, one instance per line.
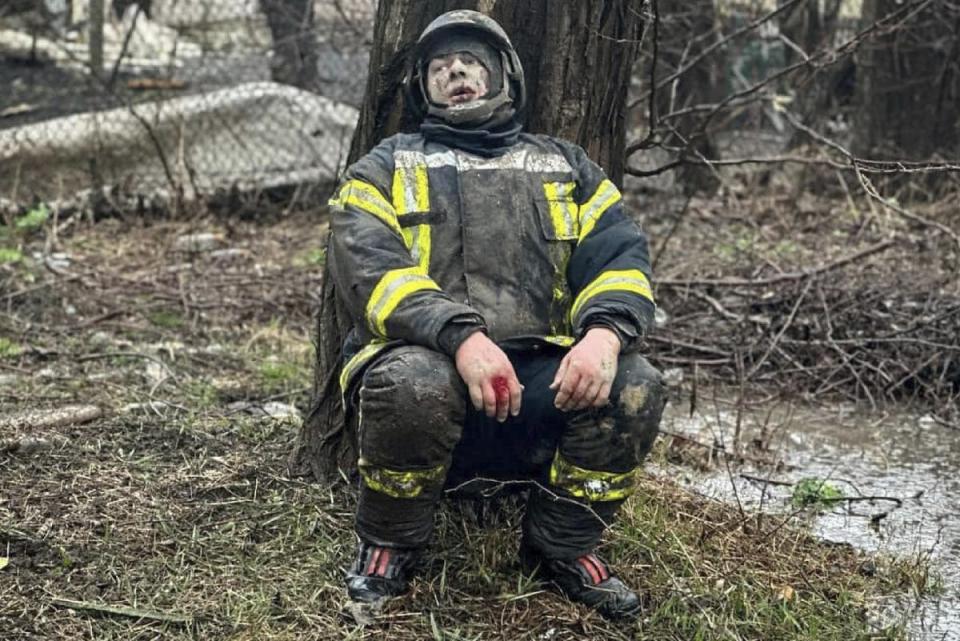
(492,136)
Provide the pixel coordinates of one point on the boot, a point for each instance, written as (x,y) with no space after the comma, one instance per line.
(379,573)
(585,579)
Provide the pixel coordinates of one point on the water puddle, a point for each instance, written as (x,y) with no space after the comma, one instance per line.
(862,454)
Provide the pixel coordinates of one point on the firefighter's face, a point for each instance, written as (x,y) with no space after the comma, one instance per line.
(456,79)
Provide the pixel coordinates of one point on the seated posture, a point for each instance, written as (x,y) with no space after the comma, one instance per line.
(498,291)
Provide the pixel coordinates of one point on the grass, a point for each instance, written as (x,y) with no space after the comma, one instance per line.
(183,507)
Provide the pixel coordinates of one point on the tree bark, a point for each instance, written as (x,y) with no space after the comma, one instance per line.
(686,29)
(578,57)
(908,84)
(294,42)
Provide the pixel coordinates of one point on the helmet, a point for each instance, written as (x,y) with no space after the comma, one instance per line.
(511,88)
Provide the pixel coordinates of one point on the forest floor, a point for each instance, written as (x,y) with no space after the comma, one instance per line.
(168,513)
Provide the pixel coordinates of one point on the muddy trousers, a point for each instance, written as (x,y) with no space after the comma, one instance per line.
(419,433)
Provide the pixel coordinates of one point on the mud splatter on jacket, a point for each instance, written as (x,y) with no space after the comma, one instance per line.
(533,244)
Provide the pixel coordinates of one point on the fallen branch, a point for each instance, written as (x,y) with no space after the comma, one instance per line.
(780,278)
(135,613)
(68,415)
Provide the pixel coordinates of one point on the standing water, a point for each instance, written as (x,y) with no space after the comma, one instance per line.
(900,456)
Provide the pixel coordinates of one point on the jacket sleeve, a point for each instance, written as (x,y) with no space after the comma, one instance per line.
(609,269)
(384,288)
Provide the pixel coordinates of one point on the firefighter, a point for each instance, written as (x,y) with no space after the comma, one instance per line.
(498,290)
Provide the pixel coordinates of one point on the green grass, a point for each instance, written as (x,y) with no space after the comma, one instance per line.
(165,318)
(33,219)
(816,493)
(10,255)
(9,349)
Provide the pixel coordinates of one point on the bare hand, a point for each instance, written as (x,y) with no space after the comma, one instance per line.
(586,373)
(489,377)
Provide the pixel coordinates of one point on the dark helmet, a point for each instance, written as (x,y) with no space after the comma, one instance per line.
(465,22)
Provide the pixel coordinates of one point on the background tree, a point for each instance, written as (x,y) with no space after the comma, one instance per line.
(908,84)
(291,25)
(686,29)
(578,58)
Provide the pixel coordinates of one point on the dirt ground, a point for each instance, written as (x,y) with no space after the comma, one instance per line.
(171,514)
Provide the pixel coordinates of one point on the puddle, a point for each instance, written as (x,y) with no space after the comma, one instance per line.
(909,457)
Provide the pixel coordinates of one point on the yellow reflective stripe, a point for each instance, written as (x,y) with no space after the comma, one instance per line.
(399,484)
(563,208)
(605,197)
(591,484)
(395,286)
(564,341)
(627,280)
(357,361)
(367,198)
(421,249)
(411,193)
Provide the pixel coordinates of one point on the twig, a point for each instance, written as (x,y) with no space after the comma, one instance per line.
(123,49)
(786,325)
(135,613)
(780,278)
(90,357)
(765,481)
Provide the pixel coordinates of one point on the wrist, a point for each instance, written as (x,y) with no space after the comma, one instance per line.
(604,334)
(478,336)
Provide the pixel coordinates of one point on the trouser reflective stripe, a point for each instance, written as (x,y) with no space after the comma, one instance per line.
(400,484)
(592,485)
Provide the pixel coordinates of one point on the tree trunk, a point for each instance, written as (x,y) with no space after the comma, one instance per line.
(908,84)
(294,42)
(578,58)
(686,29)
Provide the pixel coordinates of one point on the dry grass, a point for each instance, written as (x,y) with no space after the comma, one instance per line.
(183,508)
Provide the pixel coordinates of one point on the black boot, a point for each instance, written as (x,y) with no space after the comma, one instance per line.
(585,579)
(379,573)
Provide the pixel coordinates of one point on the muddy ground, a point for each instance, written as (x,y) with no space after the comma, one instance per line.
(171,515)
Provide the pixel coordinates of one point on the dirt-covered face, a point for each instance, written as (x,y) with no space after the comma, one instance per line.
(456,79)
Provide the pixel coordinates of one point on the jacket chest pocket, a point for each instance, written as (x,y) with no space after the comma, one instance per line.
(558,210)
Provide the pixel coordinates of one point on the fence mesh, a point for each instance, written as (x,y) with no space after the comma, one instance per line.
(197,98)
(194,97)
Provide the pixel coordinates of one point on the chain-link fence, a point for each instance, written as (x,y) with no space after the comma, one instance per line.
(176,99)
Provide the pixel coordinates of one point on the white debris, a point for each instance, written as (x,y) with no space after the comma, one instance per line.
(201,242)
(673,376)
(660,318)
(281,410)
(155,373)
(233,252)
(155,407)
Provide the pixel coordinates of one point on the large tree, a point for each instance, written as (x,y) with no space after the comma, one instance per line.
(578,58)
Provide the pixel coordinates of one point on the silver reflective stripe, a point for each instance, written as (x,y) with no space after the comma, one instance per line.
(521,159)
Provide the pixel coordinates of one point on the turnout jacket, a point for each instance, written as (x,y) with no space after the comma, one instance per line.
(533,245)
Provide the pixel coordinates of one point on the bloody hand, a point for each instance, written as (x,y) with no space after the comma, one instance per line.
(489,377)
